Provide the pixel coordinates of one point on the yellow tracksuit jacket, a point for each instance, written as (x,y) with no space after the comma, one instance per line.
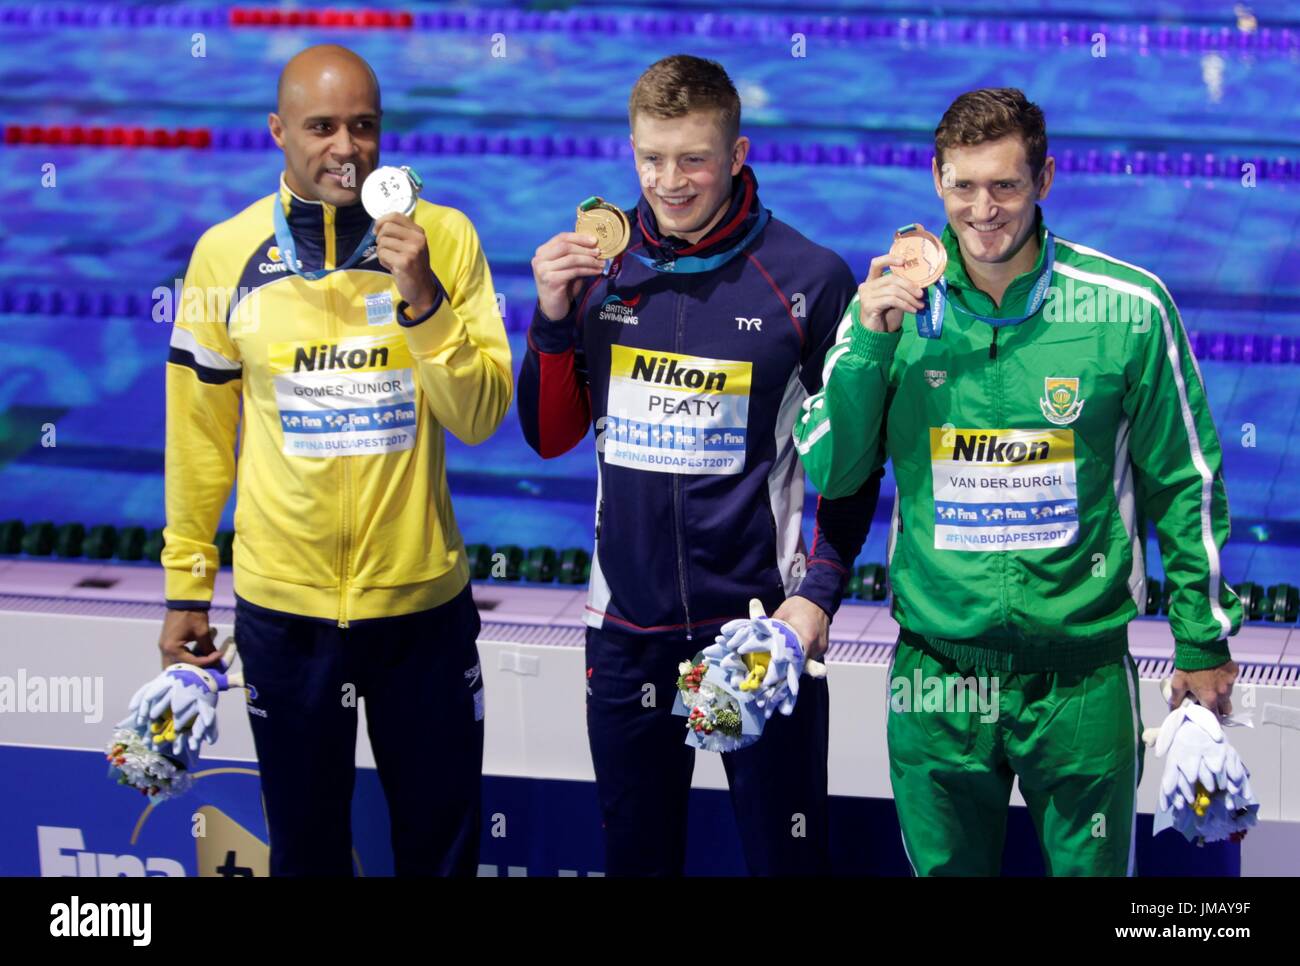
(342,509)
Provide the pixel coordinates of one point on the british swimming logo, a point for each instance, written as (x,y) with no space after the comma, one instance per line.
(615,309)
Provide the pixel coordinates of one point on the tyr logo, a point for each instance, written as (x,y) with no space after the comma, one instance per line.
(749,325)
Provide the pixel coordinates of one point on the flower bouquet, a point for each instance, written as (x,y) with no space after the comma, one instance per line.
(731,688)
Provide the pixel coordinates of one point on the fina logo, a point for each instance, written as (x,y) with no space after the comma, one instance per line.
(615,309)
(62,852)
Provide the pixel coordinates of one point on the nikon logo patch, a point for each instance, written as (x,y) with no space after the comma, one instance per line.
(990,448)
(312,358)
(1003,489)
(670,413)
(668,371)
(345,398)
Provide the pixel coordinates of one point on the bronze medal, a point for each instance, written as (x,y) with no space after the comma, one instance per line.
(607,223)
(925,254)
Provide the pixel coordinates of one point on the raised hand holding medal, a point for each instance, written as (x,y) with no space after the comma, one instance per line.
(560,265)
(390,196)
(924,257)
(607,223)
(915,259)
(386,191)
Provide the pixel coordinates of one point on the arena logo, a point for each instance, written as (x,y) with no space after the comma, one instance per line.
(75,919)
(615,309)
(668,372)
(39,694)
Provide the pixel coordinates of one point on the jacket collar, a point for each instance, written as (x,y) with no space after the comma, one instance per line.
(1017,293)
(311,217)
(741,213)
(324,233)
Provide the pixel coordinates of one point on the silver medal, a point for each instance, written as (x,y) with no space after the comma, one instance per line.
(388,190)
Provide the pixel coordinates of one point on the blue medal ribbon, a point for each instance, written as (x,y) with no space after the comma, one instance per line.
(289,248)
(929,321)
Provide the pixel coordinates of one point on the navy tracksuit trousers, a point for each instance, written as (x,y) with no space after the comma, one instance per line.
(643,766)
(420,676)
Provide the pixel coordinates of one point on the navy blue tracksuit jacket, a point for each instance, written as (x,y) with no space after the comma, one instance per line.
(692,381)
(691,363)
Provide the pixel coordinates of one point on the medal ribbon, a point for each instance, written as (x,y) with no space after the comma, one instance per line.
(689,264)
(289,248)
(929,321)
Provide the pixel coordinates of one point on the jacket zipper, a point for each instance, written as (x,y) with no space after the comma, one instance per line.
(997,412)
(776,549)
(678,500)
(345,538)
(345,465)
(681,551)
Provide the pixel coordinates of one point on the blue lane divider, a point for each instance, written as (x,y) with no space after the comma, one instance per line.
(1274,349)
(1010,31)
(1160,164)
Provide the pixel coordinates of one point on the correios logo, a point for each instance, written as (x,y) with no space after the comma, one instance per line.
(273,263)
(615,309)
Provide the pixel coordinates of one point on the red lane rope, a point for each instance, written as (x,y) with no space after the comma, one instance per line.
(274,17)
(109,137)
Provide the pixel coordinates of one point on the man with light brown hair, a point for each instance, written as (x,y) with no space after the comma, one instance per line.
(1041,403)
(691,357)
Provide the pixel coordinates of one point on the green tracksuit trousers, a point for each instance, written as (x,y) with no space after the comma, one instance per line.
(958,736)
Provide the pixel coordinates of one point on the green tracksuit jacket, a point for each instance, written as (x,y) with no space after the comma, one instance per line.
(1028,460)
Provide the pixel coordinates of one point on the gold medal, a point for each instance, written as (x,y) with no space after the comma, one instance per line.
(607,223)
(925,254)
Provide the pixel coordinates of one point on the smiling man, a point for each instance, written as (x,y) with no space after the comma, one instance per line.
(354,347)
(1041,405)
(691,358)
